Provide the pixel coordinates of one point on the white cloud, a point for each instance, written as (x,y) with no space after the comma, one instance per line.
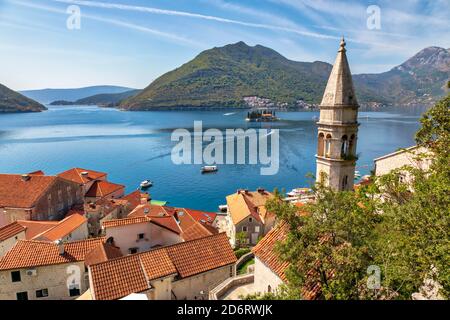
(172,37)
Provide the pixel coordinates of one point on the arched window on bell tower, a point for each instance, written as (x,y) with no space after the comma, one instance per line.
(320,145)
(351,146)
(344,147)
(328,146)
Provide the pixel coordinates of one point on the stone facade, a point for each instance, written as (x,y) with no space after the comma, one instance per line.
(198,287)
(127,237)
(265,279)
(53,204)
(7,244)
(54,279)
(407,157)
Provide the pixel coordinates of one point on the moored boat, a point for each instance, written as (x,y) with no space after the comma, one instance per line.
(207,169)
(146,184)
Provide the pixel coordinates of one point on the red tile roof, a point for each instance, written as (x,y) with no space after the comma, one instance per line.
(118,278)
(243,204)
(166,222)
(202,216)
(103,252)
(63,228)
(10,230)
(15,192)
(102,189)
(134,199)
(34,228)
(37,173)
(190,227)
(76,176)
(31,253)
(265,250)
(148,209)
(201,255)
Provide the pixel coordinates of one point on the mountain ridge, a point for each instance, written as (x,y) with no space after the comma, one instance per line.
(223,76)
(49,95)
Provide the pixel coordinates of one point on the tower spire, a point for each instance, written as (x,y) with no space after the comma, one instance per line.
(340,90)
(338,127)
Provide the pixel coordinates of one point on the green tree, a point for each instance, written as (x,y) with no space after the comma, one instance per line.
(329,245)
(413,238)
(241,238)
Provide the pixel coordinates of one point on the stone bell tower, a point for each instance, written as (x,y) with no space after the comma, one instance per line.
(338,127)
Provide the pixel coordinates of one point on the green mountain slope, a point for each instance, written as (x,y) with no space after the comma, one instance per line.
(420,80)
(12,101)
(222,77)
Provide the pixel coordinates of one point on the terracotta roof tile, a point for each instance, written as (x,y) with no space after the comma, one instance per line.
(134,199)
(190,227)
(245,203)
(76,176)
(202,216)
(30,253)
(102,189)
(200,255)
(18,193)
(265,250)
(37,173)
(103,252)
(34,228)
(10,230)
(166,222)
(157,264)
(63,228)
(118,278)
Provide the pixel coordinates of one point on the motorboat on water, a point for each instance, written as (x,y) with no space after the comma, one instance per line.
(357,175)
(146,184)
(208,169)
(298,192)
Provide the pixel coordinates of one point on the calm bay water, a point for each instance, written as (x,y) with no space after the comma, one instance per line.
(133,146)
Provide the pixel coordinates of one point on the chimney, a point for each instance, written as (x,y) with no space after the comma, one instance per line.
(177,218)
(60,245)
(110,241)
(25,177)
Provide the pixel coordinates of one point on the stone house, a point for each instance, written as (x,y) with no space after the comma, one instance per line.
(71,228)
(36,197)
(406,157)
(83,177)
(9,235)
(247,214)
(35,270)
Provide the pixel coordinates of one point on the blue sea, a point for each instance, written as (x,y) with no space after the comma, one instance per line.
(134,146)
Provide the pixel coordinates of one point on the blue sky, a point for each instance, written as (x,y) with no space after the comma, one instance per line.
(132,42)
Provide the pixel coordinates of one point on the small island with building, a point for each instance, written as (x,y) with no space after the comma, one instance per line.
(261,115)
